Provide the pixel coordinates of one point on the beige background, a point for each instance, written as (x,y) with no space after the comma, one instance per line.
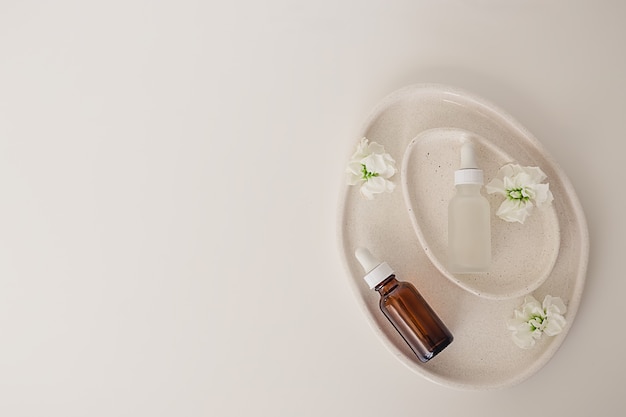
(170,175)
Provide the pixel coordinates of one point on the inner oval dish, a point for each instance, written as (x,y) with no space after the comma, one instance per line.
(523,255)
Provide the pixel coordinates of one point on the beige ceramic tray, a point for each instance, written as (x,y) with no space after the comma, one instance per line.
(421,126)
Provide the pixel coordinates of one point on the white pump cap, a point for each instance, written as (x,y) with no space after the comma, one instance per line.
(469,172)
(376,271)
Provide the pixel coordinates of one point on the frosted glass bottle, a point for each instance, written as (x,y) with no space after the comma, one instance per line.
(469,226)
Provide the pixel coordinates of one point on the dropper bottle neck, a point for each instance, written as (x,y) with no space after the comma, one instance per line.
(469,173)
(387,285)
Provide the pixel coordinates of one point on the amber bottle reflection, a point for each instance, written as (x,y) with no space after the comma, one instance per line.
(413,318)
(405,308)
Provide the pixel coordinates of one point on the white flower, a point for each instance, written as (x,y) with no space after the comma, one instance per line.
(522,188)
(534,319)
(371,167)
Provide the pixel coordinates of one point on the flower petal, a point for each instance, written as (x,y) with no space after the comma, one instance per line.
(495,186)
(361,150)
(555,325)
(374,163)
(353,173)
(535,174)
(532,307)
(526,338)
(376,185)
(554,308)
(543,195)
(375,148)
(514,210)
(509,170)
(390,167)
(554,305)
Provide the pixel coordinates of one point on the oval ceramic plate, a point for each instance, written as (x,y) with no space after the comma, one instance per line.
(403,233)
(522,254)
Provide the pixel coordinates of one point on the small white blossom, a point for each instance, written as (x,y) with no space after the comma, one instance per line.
(522,189)
(371,167)
(534,319)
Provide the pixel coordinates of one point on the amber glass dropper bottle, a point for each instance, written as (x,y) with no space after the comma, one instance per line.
(405,308)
